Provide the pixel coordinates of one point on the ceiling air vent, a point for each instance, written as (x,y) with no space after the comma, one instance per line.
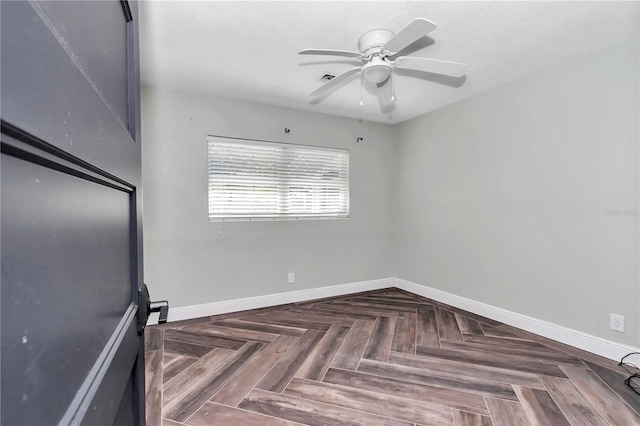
(326,78)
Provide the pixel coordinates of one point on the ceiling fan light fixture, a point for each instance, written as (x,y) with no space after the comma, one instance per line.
(376,71)
(377,74)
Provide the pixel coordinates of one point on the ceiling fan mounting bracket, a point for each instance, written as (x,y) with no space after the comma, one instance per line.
(371,42)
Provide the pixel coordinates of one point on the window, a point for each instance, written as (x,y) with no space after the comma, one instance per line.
(251,180)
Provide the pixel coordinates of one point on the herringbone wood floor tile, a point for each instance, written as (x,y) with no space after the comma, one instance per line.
(374,358)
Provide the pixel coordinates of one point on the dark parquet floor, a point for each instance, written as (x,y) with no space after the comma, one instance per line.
(385,357)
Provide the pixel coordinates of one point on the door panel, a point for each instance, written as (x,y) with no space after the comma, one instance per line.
(46,253)
(71,214)
(98,40)
(46,95)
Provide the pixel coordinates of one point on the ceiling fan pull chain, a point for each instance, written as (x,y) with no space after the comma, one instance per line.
(393,93)
(361,103)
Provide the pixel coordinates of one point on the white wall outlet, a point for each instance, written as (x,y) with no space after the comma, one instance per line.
(292,278)
(616,322)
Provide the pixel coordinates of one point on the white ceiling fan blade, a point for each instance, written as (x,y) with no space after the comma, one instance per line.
(453,69)
(386,96)
(336,82)
(419,27)
(330,52)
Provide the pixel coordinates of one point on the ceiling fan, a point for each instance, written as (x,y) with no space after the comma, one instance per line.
(376,48)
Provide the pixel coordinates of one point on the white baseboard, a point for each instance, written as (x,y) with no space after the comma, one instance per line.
(578,339)
(236,305)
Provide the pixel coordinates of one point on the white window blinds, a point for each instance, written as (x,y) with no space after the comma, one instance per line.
(267,180)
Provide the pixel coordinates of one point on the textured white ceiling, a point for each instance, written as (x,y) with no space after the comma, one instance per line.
(248,50)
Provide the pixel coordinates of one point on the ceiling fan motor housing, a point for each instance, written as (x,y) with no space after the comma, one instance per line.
(376,70)
(371,42)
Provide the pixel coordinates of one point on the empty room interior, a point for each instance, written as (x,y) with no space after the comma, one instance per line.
(320,213)
(490,229)
(489,232)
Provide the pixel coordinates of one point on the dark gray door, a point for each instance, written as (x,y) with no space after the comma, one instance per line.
(71,214)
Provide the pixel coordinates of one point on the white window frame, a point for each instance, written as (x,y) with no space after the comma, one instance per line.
(295,181)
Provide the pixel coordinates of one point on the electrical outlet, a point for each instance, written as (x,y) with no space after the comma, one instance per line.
(616,323)
(292,278)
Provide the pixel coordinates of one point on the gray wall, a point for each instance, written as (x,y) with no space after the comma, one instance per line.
(190,261)
(503,198)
